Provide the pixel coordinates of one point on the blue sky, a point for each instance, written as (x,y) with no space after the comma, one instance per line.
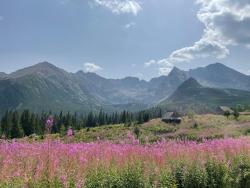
(118,38)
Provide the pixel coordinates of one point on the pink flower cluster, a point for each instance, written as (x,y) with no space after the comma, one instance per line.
(30,160)
(49,124)
(70,132)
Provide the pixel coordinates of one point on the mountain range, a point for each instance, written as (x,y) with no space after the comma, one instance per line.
(47,87)
(191,95)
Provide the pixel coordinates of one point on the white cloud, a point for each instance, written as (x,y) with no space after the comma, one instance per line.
(164,70)
(121,6)
(129,25)
(201,49)
(91,67)
(227,23)
(140,76)
(165,66)
(248,72)
(151,62)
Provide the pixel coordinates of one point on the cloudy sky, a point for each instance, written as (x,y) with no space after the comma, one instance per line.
(118,38)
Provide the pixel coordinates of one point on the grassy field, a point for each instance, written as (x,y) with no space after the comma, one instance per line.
(192,128)
(112,156)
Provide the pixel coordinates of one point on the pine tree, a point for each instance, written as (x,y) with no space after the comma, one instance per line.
(68,120)
(56,126)
(6,124)
(43,119)
(101,118)
(123,117)
(140,118)
(25,122)
(90,122)
(145,117)
(16,129)
(38,126)
(236,115)
(62,130)
(74,121)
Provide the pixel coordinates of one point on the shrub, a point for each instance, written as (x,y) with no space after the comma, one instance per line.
(217,175)
(227,114)
(196,177)
(180,175)
(196,125)
(241,172)
(137,132)
(247,132)
(132,177)
(236,115)
(103,178)
(167,180)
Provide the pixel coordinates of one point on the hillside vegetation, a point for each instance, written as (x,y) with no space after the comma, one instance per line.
(196,128)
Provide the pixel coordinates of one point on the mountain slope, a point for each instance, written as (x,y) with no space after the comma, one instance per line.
(45,87)
(166,85)
(192,95)
(37,94)
(3,75)
(131,90)
(44,69)
(221,76)
(113,91)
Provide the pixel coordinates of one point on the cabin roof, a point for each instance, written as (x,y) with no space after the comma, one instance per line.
(225,109)
(170,115)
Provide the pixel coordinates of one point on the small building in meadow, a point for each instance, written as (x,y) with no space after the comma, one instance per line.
(172,117)
(224,109)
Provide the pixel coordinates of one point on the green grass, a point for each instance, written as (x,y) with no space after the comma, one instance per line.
(212,174)
(196,128)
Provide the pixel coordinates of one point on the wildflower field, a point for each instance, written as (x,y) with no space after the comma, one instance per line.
(51,163)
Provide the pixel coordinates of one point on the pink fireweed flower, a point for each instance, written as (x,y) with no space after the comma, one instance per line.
(130,135)
(71,161)
(49,124)
(70,132)
(64,181)
(132,139)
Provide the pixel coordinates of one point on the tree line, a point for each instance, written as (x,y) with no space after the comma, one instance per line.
(15,124)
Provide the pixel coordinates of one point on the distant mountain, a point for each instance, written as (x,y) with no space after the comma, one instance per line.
(131,90)
(3,75)
(221,76)
(43,69)
(47,87)
(164,86)
(114,91)
(192,95)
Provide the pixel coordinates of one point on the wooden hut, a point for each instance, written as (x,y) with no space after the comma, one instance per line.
(171,117)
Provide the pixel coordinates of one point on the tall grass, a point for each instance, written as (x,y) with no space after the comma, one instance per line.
(211,164)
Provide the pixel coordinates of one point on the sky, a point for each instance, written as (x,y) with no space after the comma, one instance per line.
(119,38)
